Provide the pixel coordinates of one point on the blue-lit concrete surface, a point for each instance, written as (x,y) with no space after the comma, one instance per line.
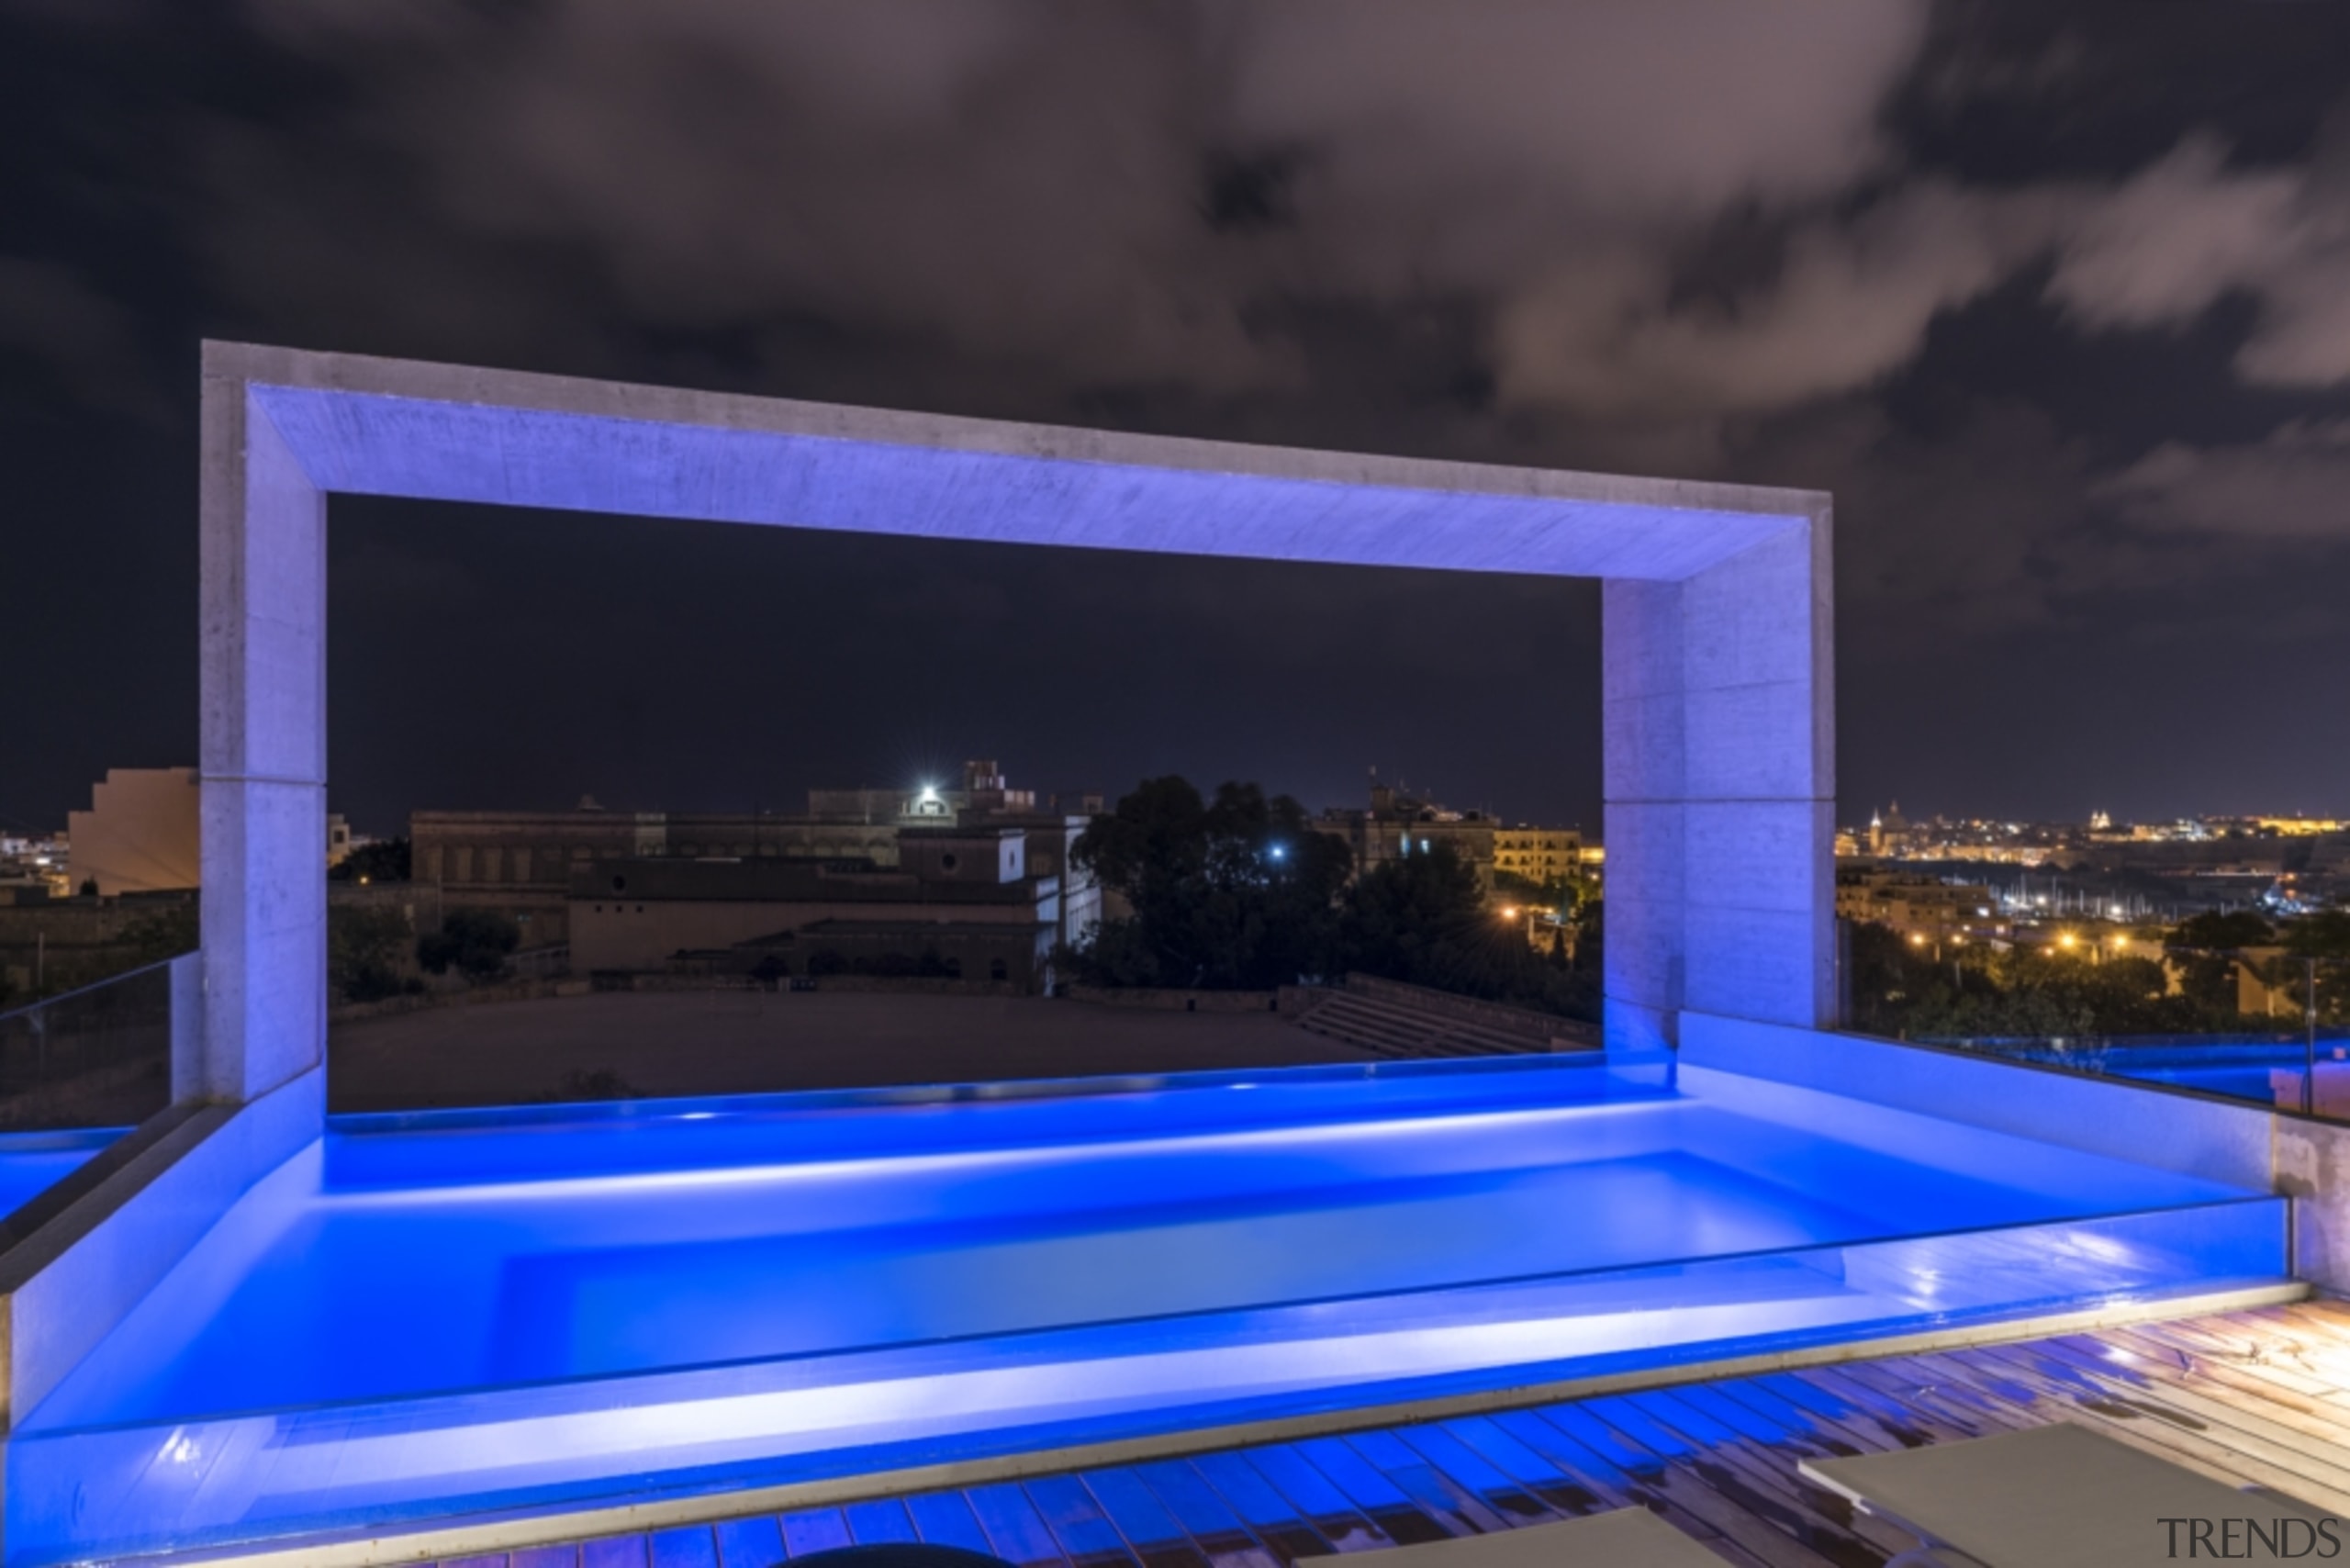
(31,1163)
(2263,1069)
(436,1315)
(1717,711)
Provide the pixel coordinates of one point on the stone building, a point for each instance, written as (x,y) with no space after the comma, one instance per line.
(141,834)
(1538,854)
(960,904)
(1397,826)
(523,862)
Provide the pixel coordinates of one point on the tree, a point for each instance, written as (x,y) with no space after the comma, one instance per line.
(1424,919)
(2316,949)
(1239,892)
(472,941)
(2324,935)
(167,934)
(2207,972)
(386,860)
(1898,988)
(2222,930)
(363,949)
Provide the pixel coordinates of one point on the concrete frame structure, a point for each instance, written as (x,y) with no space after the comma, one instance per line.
(1719,733)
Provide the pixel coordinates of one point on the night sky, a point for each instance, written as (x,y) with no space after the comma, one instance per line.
(2055,300)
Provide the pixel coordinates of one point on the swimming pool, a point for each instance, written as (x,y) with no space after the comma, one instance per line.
(454,1313)
(31,1163)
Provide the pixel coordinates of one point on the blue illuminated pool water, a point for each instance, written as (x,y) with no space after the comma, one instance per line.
(464,1311)
(31,1163)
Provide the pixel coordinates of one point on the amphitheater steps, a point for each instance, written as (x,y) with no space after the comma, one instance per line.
(1396,1029)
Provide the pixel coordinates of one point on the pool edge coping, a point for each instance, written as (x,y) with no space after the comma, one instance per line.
(492,1535)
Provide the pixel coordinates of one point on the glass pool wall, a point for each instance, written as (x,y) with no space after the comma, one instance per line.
(2287,1072)
(445,1314)
(77,1070)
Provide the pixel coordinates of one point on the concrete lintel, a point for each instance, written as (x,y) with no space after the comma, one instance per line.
(1718,631)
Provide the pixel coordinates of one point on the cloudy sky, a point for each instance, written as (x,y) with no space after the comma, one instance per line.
(2056,300)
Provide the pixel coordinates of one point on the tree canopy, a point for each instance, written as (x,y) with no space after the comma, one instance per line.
(472,941)
(384,861)
(1237,893)
(1241,892)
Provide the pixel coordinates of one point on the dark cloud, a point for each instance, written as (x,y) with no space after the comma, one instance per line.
(2053,298)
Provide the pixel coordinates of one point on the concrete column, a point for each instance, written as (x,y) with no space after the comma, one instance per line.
(1719,713)
(262,670)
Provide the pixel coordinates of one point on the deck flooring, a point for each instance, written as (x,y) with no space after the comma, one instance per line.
(2258,1397)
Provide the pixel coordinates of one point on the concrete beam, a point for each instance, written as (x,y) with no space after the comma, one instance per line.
(1720,729)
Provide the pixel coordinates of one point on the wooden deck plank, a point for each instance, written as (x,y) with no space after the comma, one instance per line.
(1502,1493)
(1759,1469)
(1663,1470)
(1276,1520)
(1088,1538)
(1015,1531)
(1608,1470)
(1459,1508)
(2237,1431)
(879,1523)
(614,1552)
(1568,1494)
(2282,1370)
(754,1542)
(1901,1397)
(1324,1469)
(1211,1523)
(1860,1401)
(2262,1423)
(1808,1429)
(694,1546)
(944,1519)
(1740,1475)
(2232,1377)
(1149,1528)
(815,1529)
(2062,1401)
(1860,1424)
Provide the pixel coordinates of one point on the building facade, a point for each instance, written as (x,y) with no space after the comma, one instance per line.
(960,904)
(523,863)
(1543,855)
(141,834)
(1397,826)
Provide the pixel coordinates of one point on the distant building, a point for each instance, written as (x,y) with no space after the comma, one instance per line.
(1398,825)
(523,862)
(140,833)
(1540,854)
(1917,906)
(960,904)
(143,833)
